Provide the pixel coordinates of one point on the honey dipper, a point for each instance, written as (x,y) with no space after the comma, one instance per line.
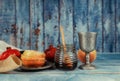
(67,59)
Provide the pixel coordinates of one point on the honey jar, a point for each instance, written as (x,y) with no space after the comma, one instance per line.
(66,60)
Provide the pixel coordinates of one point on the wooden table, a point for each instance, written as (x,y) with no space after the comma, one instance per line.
(107,69)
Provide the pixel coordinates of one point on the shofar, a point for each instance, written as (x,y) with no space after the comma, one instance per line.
(9,64)
(3,46)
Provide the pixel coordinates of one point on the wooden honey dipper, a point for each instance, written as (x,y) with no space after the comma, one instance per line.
(67,59)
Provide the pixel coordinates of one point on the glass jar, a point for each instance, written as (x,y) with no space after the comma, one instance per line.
(66,60)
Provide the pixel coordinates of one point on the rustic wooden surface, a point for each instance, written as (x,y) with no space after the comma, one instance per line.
(51,27)
(34,24)
(107,69)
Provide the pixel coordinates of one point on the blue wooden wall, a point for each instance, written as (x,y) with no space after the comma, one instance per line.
(34,24)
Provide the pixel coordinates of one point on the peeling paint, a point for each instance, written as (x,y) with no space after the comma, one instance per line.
(37,31)
(35,24)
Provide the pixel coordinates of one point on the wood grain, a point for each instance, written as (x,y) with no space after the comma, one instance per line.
(37,25)
(66,19)
(117,24)
(80,16)
(108,26)
(51,27)
(34,24)
(23,24)
(94,20)
(7,19)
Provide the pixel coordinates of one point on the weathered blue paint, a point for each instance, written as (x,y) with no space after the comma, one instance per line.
(7,18)
(80,14)
(94,20)
(22,22)
(51,27)
(21,19)
(117,24)
(66,17)
(37,24)
(108,26)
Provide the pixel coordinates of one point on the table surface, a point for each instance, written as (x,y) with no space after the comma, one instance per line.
(107,69)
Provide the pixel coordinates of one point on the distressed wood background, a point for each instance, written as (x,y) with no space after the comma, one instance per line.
(34,24)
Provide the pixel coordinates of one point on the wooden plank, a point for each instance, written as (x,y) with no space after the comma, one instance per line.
(37,24)
(117,24)
(108,25)
(95,21)
(23,23)
(51,28)
(7,20)
(80,19)
(66,19)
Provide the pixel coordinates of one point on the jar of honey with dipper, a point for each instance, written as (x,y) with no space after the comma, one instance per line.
(65,57)
(66,60)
